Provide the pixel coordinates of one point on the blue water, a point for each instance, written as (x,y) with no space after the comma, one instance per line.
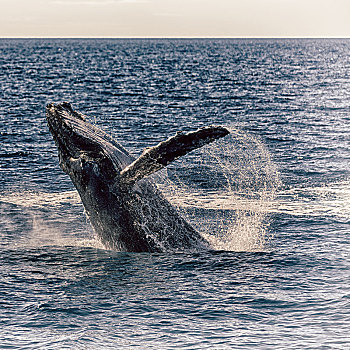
(290,99)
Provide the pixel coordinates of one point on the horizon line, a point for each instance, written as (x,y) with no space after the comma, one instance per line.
(174,37)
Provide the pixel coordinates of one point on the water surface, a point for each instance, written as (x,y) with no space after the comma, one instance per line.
(279,279)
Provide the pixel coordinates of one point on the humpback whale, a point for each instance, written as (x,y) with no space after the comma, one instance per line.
(123,205)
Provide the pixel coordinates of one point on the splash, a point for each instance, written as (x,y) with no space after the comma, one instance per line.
(226,191)
(40,199)
(45,232)
(328,200)
(39,219)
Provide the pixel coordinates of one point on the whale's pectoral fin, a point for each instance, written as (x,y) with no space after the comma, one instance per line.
(157,157)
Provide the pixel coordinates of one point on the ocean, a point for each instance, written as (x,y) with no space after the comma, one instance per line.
(273,198)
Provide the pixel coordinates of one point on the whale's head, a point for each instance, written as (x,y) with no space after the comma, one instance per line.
(84,149)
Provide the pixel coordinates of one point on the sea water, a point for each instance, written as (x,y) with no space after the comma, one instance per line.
(273,198)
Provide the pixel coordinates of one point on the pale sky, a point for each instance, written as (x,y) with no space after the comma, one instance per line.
(174,18)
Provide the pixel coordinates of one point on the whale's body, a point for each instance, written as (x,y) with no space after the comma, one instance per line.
(125,208)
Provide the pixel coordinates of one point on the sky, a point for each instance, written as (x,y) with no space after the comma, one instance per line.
(175,18)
